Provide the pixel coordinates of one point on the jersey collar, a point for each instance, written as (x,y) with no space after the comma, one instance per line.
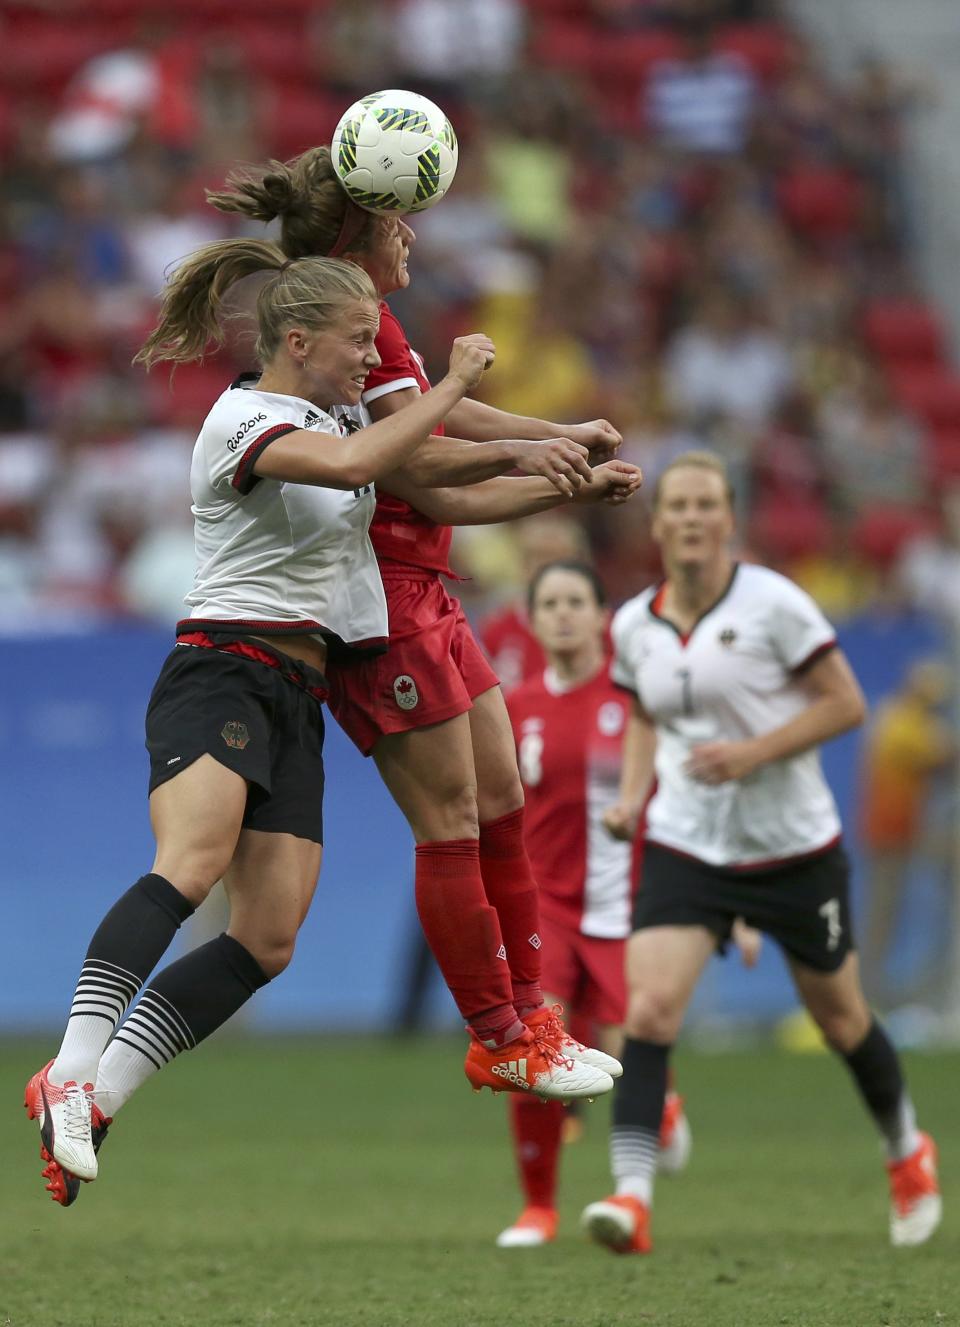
(657,600)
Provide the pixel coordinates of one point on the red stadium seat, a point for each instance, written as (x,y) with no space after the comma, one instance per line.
(904,331)
(929,392)
(632,55)
(765,47)
(567,44)
(943,450)
(297,118)
(822,202)
(784,530)
(880,533)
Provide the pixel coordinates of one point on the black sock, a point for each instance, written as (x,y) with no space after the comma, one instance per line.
(638,1098)
(191,998)
(876,1070)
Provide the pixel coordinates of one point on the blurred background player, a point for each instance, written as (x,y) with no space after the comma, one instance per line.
(568,723)
(910,748)
(737,681)
(431,711)
(235,725)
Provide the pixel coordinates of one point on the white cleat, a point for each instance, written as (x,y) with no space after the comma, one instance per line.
(676,1140)
(64,1116)
(552,1020)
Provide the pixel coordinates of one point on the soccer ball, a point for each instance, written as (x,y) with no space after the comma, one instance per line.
(394,151)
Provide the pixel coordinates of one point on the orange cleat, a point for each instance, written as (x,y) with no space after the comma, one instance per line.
(675,1137)
(533,1227)
(532,1063)
(620,1223)
(551,1018)
(916,1207)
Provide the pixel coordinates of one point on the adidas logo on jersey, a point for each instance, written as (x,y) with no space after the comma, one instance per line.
(514,1071)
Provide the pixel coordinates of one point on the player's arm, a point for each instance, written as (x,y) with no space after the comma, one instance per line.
(452,461)
(636,775)
(835,704)
(306,457)
(507,499)
(481,423)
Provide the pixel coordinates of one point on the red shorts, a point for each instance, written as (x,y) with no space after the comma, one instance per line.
(586,973)
(432,670)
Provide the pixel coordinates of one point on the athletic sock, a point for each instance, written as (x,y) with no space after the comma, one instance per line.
(183,1004)
(126,947)
(510,887)
(537,1130)
(464,936)
(876,1069)
(637,1110)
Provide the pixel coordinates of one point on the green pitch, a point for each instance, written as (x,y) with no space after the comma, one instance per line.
(361,1184)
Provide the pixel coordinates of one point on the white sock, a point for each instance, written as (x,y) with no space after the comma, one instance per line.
(633,1160)
(901,1138)
(122,1070)
(103,993)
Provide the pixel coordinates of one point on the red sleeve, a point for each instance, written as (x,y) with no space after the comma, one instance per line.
(396,357)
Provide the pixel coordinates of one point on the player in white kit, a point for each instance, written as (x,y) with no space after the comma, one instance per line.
(282,485)
(736,681)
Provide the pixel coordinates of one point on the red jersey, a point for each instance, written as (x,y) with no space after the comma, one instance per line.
(569,749)
(398,532)
(511,646)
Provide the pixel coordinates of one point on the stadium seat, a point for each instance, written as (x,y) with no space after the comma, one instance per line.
(568,44)
(903,331)
(880,533)
(632,55)
(764,46)
(297,118)
(784,530)
(821,202)
(929,392)
(943,451)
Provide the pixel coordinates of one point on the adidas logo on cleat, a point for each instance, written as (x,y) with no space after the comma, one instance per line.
(514,1071)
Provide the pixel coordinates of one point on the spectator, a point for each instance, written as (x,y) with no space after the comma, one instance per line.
(703,100)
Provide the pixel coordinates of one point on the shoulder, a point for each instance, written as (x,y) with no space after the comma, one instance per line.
(634,614)
(239,411)
(391,329)
(771,588)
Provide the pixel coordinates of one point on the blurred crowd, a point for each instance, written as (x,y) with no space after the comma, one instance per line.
(665,213)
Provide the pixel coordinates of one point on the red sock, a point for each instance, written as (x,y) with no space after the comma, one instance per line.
(537,1128)
(462,932)
(512,890)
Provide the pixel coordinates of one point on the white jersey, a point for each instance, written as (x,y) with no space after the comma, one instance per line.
(734,677)
(275,556)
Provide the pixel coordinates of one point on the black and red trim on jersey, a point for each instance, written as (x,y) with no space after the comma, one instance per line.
(244,478)
(656,604)
(339,648)
(302,675)
(745,868)
(813,657)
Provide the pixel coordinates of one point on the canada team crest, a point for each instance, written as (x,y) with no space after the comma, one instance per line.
(405,692)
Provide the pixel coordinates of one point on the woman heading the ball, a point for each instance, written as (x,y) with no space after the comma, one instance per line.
(281,485)
(430,711)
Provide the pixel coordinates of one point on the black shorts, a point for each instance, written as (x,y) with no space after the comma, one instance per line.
(250,717)
(804,905)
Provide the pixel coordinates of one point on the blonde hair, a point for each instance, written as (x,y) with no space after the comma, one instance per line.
(304,193)
(307,292)
(695,460)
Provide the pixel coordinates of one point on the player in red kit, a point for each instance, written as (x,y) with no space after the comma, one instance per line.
(431,712)
(568,723)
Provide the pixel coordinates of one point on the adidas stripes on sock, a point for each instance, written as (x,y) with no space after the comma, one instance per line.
(876,1070)
(638,1099)
(183,1004)
(510,887)
(126,947)
(464,936)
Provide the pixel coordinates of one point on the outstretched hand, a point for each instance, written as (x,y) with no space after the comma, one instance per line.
(614,482)
(599,437)
(561,461)
(621,821)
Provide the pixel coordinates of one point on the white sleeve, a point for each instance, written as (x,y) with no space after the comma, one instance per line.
(799,630)
(234,434)
(622,668)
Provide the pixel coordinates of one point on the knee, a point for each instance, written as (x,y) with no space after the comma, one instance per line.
(653,1015)
(501,799)
(452,814)
(843,1029)
(193,874)
(272,952)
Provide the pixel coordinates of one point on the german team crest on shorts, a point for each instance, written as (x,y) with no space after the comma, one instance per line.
(235,734)
(405,692)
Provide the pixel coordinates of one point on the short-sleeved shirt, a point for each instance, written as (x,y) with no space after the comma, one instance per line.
(399,532)
(735,676)
(569,752)
(274,556)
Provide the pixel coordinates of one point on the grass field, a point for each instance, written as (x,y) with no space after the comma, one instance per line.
(361,1184)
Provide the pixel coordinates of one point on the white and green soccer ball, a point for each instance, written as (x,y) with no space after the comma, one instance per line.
(394,151)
